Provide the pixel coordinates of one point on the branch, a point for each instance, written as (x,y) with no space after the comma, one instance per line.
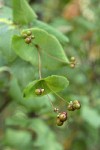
(6,103)
(39,61)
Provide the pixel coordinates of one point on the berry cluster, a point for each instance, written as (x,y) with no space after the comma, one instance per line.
(74,105)
(72,62)
(27,35)
(61,118)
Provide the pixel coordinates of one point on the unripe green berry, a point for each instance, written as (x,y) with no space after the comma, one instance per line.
(24,35)
(29,33)
(56,109)
(76,104)
(39,91)
(28,40)
(59,122)
(72,59)
(70,106)
(63,116)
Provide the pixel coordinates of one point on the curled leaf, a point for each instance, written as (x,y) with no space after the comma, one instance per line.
(50,84)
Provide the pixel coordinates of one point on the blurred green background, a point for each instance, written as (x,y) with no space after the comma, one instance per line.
(30,124)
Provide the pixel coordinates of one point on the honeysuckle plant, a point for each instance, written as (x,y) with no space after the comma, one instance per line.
(41,46)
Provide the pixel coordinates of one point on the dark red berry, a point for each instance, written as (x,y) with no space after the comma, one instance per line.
(63,116)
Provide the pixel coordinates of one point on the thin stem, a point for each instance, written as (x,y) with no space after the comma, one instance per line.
(6,69)
(50,101)
(58,96)
(39,59)
(54,57)
(5,104)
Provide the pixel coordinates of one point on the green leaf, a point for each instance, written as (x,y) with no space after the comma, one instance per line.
(61,37)
(51,52)
(5,12)
(18,138)
(4,69)
(34,133)
(6,34)
(14,120)
(32,103)
(25,73)
(91,116)
(25,51)
(46,139)
(22,12)
(38,104)
(56,83)
(5,75)
(50,84)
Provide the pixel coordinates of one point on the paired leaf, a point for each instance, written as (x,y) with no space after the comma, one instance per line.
(61,37)
(33,103)
(52,53)
(50,84)
(22,12)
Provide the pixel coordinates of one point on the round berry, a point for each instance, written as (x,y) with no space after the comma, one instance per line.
(72,59)
(72,65)
(24,35)
(28,40)
(56,109)
(59,122)
(39,91)
(70,107)
(76,104)
(29,33)
(63,116)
